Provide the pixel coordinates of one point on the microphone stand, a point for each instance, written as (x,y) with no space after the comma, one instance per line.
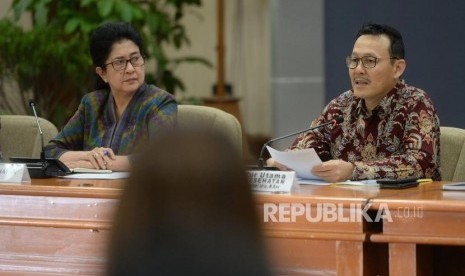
(41,133)
(261,161)
(39,171)
(43,167)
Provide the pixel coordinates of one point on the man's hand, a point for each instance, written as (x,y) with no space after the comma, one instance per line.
(272,163)
(334,170)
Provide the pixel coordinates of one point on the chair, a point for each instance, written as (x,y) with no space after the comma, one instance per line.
(19,136)
(452,154)
(211,119)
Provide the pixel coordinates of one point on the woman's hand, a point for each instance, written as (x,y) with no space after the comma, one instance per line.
(98,158)
(101,158)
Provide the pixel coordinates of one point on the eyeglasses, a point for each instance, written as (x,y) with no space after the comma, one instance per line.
(121,64)
(367,61)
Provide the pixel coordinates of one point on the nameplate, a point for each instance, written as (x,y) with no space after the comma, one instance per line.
(271,181)
(14,173)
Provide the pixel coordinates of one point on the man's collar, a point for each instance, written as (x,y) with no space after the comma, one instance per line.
(384,105)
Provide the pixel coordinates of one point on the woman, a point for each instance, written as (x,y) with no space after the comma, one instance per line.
(187,210)
(123,112)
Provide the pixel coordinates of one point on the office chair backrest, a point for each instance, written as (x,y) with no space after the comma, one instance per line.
(452,154)
(19,136)
(211,119)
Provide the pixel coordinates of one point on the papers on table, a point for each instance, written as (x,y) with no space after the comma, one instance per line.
(112,175)
(358,183)
(86,170)
(456,186)
(300,161)
(312,182)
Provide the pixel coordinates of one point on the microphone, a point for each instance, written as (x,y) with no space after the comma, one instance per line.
(261,162)
(43,167)
(41,133)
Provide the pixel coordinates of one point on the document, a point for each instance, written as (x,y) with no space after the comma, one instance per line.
(313,182)
(111,175)
(300,161)
(87,170)
(457,186)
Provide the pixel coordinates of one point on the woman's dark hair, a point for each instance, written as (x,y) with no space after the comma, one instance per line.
(397,44)
(102,40)
(187,209)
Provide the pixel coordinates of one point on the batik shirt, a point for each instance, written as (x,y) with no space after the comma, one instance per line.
(398,140)
(150,111)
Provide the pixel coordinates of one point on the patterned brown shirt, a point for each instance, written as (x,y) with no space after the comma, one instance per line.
(399,139)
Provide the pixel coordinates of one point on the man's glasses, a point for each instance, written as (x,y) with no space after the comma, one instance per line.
(367,61)
(121,64)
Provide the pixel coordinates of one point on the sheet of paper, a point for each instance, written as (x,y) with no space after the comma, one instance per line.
(300,161)
(113,175)
(312,182)
(86,170)
(456,186)
(358,183)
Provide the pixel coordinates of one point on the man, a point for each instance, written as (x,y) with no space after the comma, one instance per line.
(390,129)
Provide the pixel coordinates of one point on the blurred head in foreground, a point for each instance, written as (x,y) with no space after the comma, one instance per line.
(187,209)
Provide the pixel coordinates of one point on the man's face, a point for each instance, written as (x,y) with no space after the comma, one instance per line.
(372,84)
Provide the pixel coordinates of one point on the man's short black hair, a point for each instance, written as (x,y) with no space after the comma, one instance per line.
(397,43)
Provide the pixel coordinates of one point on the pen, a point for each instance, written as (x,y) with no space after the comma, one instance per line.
(424,180)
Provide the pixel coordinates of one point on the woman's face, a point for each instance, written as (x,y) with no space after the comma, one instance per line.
(123,76)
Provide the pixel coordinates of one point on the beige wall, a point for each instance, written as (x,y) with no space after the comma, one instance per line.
(4,11)
(4,5)
(201,29)
(247,60)
(14,99)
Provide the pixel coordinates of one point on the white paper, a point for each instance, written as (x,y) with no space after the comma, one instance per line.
(113,175)
(312,182)
(300,161)
(456,186)
(358,183)
(86,170)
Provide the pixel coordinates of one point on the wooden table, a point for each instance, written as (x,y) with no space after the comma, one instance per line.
(426,235)
(60,227)
(318,246)
(56,226)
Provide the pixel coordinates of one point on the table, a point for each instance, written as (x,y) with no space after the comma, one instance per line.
(315,245)
(61,226)
(56,226)
(426,235)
